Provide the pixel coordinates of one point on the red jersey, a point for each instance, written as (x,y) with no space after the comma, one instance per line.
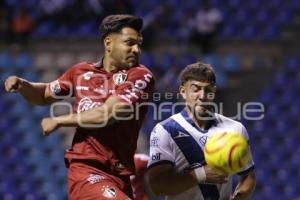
(137,180)
(114,145)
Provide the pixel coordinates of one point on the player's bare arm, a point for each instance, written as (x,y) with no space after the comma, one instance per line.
(105,115)
(34,93)
(245,187)
(163,180)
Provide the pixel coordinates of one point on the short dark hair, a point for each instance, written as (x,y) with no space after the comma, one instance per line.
(115,23)
(198,71)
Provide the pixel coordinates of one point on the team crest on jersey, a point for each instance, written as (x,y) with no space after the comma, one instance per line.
(119,78)
(55,87)
(181,135)
(109,192)
(88,75)
(86,104)
(94,178)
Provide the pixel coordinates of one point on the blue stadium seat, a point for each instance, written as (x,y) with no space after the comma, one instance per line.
(263,17)
(231,63)
(19,109)
(63,32)
(23,61)
(294,110)
(272,31)
(45,30)
(229,31)
(255,4)
(259,127)
(222,80)
(267,95)
(295,4)
(6,61)
(40,111)
(293,63)
(148,60)
(280,79)
(250,31)
(240,16)
(31,75)
(214,60)
(274,5)
(288,97)
(187,59)
(285,17)
(234,3)
(87,29)
(167,62)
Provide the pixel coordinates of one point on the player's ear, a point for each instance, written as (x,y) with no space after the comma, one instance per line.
(107,43)
(182,91)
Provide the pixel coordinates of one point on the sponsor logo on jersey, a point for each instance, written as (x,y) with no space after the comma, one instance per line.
(181,135)
(154,142)
(101,90)
(94,178)
(203,140)
(156,157)
(86,104)
(109,192)
(88,75)
(55,87)
(139,86)
(82,88)
(119,78)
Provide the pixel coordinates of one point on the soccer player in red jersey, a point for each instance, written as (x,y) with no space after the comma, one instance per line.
(109,108)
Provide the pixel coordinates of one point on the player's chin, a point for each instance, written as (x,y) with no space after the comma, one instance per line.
(130,64)
(201,112)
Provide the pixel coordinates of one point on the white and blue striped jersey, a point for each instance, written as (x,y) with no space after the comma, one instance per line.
(179,141)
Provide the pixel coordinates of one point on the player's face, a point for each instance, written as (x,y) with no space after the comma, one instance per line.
(126,48)
(198,96)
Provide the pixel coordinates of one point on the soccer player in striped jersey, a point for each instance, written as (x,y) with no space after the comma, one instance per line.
(177,167)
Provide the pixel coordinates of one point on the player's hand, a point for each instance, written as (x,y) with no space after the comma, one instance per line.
(13,84)
(214,175)
(49,125)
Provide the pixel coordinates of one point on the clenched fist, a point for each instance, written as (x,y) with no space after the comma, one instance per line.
(49,125)
(13,84)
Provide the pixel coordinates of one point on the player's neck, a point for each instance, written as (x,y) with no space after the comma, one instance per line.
(202,124)
(108,65)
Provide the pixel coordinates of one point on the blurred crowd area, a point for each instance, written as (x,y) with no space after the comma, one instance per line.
(170,20)
(252,45)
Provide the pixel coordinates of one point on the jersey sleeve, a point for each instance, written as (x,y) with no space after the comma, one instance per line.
(251,164)
(137,88)
(161,149)
(63,86)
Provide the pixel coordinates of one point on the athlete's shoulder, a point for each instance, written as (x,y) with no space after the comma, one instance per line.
(226,121)
(169,124)
(142,69)
(83,65)
(80,67)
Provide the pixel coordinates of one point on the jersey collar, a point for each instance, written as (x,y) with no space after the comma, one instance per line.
(186,116)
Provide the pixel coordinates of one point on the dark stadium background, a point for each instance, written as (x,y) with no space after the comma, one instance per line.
(256,59)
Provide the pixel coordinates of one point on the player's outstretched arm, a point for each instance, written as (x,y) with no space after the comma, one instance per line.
(245,187)
(112,110)
(163,180)
(34,93)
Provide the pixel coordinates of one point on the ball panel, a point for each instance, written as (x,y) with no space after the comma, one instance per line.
(228,151)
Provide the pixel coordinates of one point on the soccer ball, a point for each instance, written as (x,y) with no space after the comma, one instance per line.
(227,151)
